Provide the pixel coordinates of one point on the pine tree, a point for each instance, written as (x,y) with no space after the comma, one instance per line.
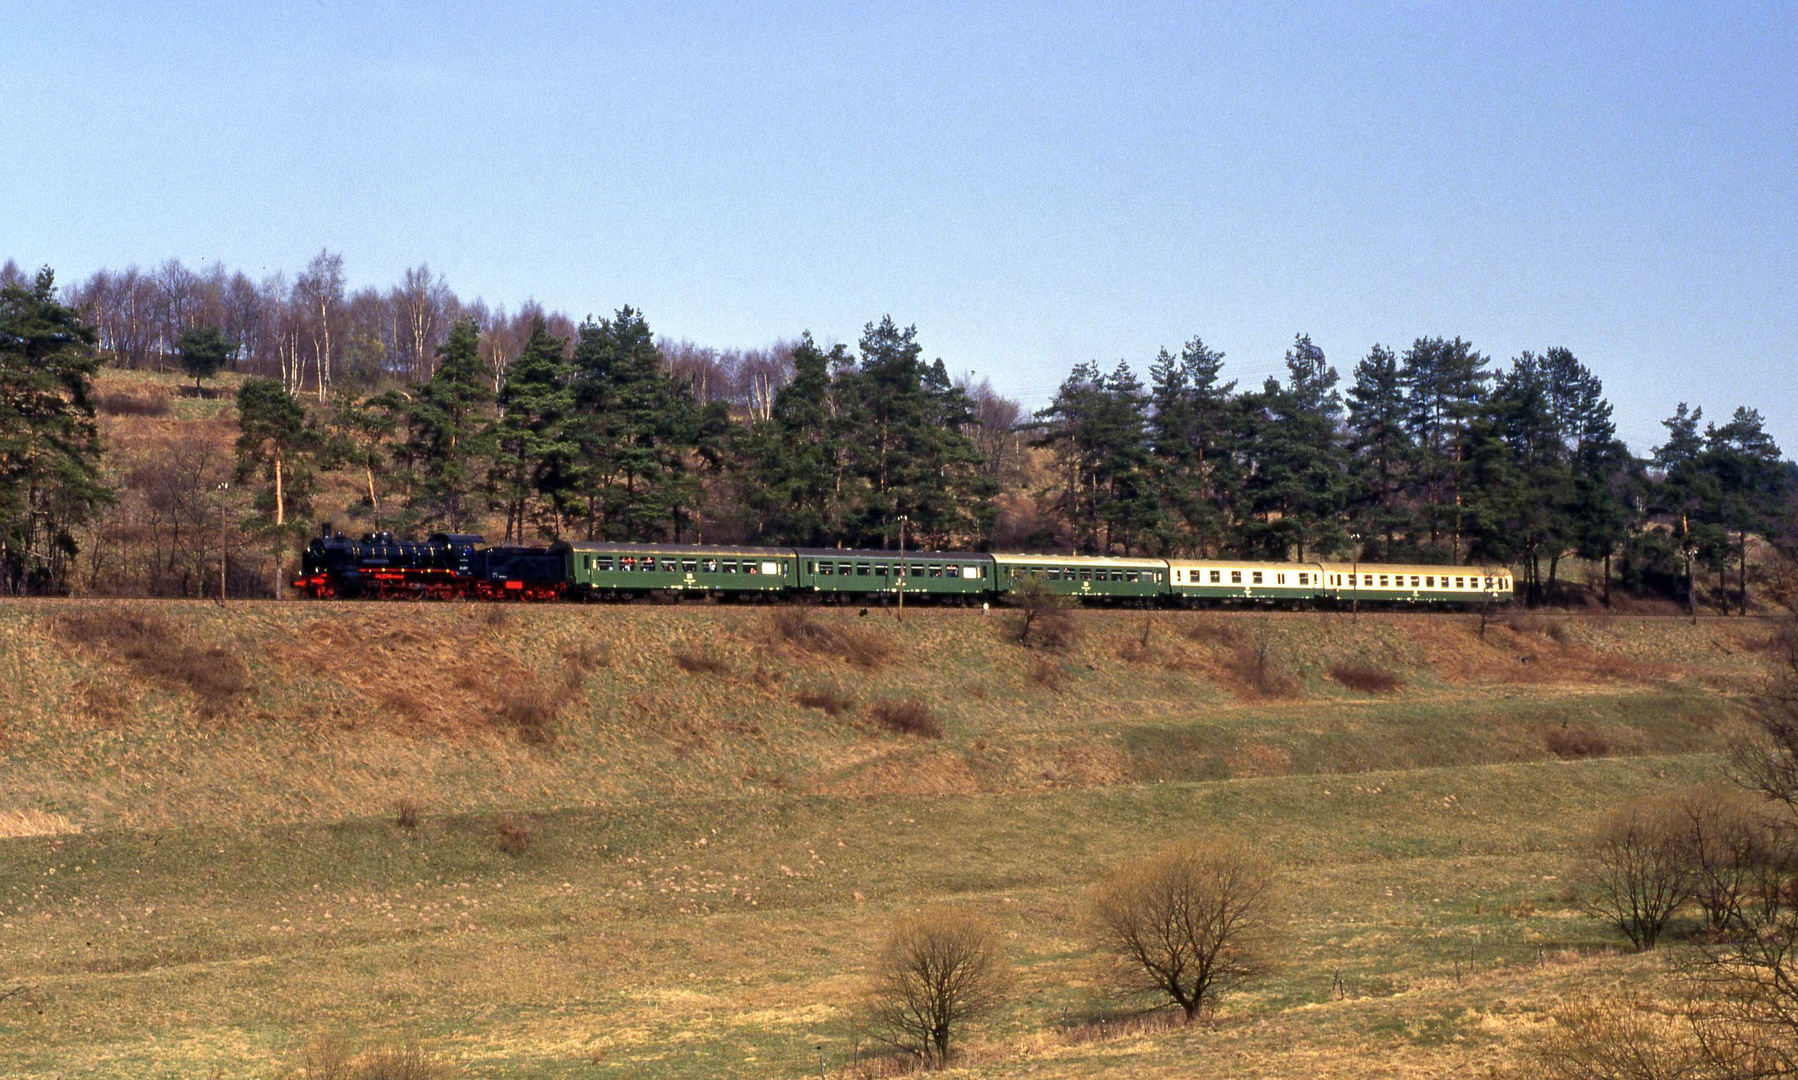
(1297,487)
(1749,481)
(204,351)
(50,480)
(795,476)
(635,428)
(1190,447)
(532,450)
(276,442)
(1380,449)
(1688,493)
(450,440)
(908,443)
(1445,382)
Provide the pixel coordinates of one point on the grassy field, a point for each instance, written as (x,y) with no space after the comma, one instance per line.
(203,866)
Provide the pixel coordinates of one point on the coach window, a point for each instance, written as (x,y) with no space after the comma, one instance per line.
(1217,576)
(689,565)
(936,571)
(1459,583)
(863,569)
(1429,583)
(1304,579)
(1255,577)
(1132,575)
(670,566)
(1279,579)
(1236,577)
(749,567)
(1382,581)
(823,569)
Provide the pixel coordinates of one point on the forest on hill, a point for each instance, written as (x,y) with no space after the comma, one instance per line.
(412,410)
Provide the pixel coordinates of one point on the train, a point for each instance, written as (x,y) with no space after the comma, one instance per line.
(461,566)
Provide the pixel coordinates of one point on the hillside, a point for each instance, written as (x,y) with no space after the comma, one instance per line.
(205,866)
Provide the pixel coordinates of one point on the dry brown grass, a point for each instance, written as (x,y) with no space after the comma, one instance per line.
(331,1058)
(1217,633)
(1105,1026)
(1574,741)
(1366,678)
(1047,673)
(833,700)
(406,813)
(906,716)
(803,629)
(531,711)
(120,402)
(156,651)
(695,660)
(18,824)
(514,835)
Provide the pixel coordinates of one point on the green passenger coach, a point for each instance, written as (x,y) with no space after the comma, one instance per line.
(600,570)
(1084,576)
(850,576)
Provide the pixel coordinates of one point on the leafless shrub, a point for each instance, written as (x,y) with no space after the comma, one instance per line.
(1049,674)
(531,711)
(1253,663)
(1041,618)
(1217,633)
(1366,678)
(1727,843)
(332,1058)
(833,700)
(1526,622)
(1633,872)
(1104,1027)
(1189,924)
(1623,1037)
(406,813)
(327,1057)
(699,661)
(1140,647)
(217,678)
(1574,741)
(126,403)
(514,835)
(906,716)
(862,647)
(935,973)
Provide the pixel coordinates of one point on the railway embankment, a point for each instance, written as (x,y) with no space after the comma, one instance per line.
(145,714)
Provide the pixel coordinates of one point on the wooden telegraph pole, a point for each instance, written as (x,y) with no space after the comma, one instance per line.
(222,549)
(903,521)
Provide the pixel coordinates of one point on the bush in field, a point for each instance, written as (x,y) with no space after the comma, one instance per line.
(935,973)
(907,716)
(160,653)
(1633,871)
(1727,844)
(1189,924)
(862,647)
(697,661)
(514,835)
(1616,1038)
(1041,618)
(833,700)
(1574,741)
(1366,678)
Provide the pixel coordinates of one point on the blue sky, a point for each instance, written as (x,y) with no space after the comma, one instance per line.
(1032,185)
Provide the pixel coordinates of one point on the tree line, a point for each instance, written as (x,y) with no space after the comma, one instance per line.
(449,416)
